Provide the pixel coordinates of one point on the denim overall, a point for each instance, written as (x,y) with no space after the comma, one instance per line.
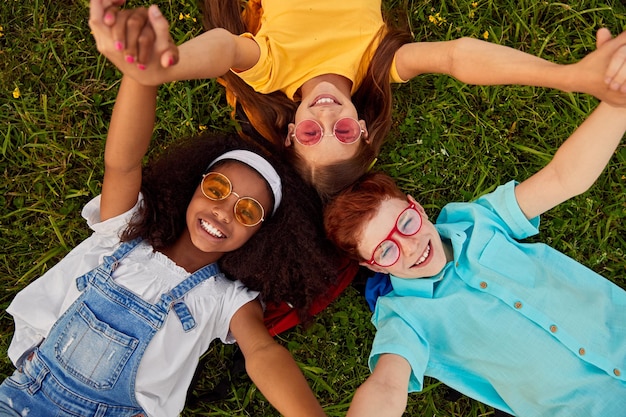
(88,363)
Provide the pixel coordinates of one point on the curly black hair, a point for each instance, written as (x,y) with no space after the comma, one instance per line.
(288,260)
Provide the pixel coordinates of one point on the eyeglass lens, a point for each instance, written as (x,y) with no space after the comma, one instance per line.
(409,223)
(309,132)
(217,186)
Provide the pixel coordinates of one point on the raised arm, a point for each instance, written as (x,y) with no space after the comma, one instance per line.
(271,366)
(130,132)
(602,73)
(384,393)
(577,164)
(124,40)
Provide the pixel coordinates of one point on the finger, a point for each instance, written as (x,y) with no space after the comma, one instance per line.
(145,44)
(603,36)
(96,11)
(110,15)
(615,74)
(118,31)
(96,14)
(97,8)
(134,25)
(164,43)
(617,70)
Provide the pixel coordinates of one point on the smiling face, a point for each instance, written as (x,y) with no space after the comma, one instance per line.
(211,225)
(420,255)
(325,104)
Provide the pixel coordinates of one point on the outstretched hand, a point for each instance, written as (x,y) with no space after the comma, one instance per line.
(602,73)
(134,40)
(615,76)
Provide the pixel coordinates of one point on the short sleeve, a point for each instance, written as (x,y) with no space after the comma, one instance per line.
(259,75)
(394,77)
(113,226)
(396,336)
(503,202)
(236,295)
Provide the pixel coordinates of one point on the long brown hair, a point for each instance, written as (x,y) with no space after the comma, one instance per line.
(270,113)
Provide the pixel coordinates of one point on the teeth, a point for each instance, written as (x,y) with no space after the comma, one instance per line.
(207,227)
(325,100)
(424,255)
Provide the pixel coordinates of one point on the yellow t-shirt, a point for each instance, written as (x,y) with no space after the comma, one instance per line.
(301,39)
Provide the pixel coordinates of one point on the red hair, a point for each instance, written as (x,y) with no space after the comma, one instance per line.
(346,215)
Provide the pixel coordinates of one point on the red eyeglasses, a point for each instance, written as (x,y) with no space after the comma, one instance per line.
(309,132)
(408,223)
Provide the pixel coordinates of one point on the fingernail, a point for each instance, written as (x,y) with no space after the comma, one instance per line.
(141,67)
(130,59)
(155,11)
(171,61)
(108,17)
(119,45)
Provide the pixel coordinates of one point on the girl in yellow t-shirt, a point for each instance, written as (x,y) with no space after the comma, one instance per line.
(314,77)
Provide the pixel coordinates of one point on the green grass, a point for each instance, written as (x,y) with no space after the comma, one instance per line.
(450,142)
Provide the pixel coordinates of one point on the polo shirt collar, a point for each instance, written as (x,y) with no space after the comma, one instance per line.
(425,287)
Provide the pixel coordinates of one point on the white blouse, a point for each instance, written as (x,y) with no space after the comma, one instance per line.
(171,357)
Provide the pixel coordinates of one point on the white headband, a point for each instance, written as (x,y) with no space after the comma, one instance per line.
(260,165)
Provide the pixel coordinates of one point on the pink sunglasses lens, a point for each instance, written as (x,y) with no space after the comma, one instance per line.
(347,130)
(308,132)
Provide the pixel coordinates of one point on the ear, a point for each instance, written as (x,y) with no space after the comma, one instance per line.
(291,131)
(364,133)
(418,206)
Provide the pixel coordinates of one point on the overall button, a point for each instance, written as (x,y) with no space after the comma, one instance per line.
(553,328)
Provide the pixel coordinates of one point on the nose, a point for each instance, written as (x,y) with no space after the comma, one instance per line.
(223,210)
(408,246)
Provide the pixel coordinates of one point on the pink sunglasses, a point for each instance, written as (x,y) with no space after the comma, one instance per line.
(346,130)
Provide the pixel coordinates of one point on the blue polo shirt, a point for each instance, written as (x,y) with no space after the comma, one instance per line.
(518,326)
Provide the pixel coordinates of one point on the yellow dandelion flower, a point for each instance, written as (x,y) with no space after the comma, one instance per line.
(202,127)
(181,16)
(486,35)
(471,14)
(475,4)
(16,93)
(436,19)
(1,31)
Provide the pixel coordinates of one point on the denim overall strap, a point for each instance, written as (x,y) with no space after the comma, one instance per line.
(174,297)
(109,263)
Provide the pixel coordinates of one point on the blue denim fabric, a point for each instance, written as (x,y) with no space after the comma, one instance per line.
(88,363)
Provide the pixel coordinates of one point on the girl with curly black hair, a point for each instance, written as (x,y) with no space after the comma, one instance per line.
(117,327)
